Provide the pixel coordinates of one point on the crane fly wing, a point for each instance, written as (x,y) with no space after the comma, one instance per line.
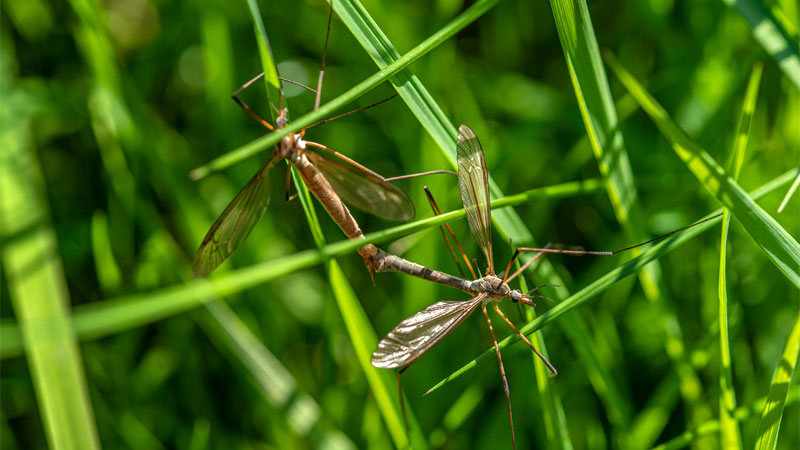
(234,224)
(417,334)
(364,190)
(473,181)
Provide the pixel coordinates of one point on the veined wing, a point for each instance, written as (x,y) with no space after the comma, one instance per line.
(363,190)
(473,181)
(235,222)
(419,333)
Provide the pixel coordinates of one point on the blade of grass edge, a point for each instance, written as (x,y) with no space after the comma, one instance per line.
(730,436)
(781,248)
(601,284)
(768,428)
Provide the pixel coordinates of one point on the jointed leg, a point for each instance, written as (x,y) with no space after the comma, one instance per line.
(437,211)
(544,360)
(502,374)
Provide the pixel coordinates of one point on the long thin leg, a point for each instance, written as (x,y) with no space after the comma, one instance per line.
(544,360)
(286,197)
(506,278)
(584,252)
(421,174)
(437,211)
(331,119)
(247,108)
(324,55)
(400,396)
(502,373)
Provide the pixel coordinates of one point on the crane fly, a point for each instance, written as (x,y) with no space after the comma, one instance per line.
(331,181)
(417,334)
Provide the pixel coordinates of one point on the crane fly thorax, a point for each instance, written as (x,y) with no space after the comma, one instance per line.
(493,286)
(291,148)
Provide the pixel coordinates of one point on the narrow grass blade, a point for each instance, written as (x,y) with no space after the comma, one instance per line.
(771,35)
(271,78)
(712,426)
(767,436)
(38,292)
(781,248)
(122,313)
(601,284)
(729,427)
(327,110)
(789,193)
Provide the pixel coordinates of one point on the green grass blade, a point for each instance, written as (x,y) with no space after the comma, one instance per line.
(38,292)
(122,313)
(553,415)
(789,193)
(767,436)
(601,284)
(327,110)
(781,248)
(729,427)
(712,426)
(775,40)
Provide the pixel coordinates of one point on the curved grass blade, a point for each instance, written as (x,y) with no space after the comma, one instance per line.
(767,436)
(789,193)
(473,182)
(601,284)
(730,436)
(781,248)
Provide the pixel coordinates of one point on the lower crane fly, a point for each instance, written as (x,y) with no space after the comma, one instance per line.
(331,181)
(417,334)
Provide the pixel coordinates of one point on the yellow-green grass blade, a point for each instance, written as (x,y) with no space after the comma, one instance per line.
(775,40)
(114,315)
(712,426)
(38,293)
(730,436)
(601,284)
(779,246)
(272,82)
(767,436)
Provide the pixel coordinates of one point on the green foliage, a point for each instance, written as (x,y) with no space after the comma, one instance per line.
(118,102)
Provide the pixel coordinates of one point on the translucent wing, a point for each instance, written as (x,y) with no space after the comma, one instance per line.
(235,223)
(419,333)
(363,190)
(473,180)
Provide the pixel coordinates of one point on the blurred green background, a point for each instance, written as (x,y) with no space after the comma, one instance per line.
(107,106)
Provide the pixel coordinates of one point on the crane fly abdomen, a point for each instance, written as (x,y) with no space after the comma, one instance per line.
(322,190)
